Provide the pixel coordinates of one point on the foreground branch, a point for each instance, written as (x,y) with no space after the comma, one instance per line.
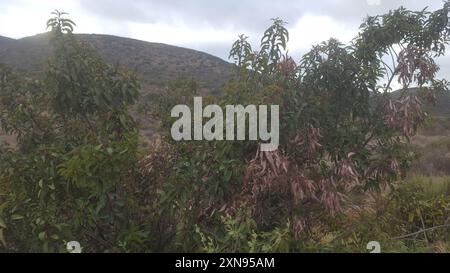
(420,231)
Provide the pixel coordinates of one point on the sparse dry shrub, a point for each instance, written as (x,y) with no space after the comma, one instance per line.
(157,163)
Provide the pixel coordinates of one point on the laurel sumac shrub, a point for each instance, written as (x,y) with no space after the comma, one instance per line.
(343,133)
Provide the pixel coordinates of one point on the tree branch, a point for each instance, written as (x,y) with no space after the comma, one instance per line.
(420,231)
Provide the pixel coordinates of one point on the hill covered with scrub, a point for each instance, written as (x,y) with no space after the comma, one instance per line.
(155,63)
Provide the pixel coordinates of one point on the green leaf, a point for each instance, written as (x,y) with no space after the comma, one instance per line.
(42,235)
(2,223)
(2,238)
(410,217)
(15,217)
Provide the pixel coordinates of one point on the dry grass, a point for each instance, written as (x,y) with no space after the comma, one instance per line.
(11,140)
(432,145)
(432,186)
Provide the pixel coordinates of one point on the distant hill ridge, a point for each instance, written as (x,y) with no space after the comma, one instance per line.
(156,63)
(5,40)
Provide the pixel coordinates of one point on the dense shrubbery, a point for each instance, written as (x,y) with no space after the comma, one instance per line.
(77,151)
(78,174)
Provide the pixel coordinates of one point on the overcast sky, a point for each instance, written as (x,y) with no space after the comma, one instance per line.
(206,25)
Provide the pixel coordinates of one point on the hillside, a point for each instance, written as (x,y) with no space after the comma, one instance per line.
(156,63)
(442,107)
(5,41)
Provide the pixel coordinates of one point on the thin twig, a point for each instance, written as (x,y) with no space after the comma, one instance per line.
(420,231)
(423,226)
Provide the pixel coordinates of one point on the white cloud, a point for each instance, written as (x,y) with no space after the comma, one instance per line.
(374,2)
(24,18)
(313,29)
(179,34)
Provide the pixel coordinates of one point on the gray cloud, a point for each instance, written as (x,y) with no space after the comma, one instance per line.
(215,22)
(247,14)
(242,16)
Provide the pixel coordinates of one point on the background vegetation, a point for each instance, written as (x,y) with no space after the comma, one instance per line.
(336,182)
